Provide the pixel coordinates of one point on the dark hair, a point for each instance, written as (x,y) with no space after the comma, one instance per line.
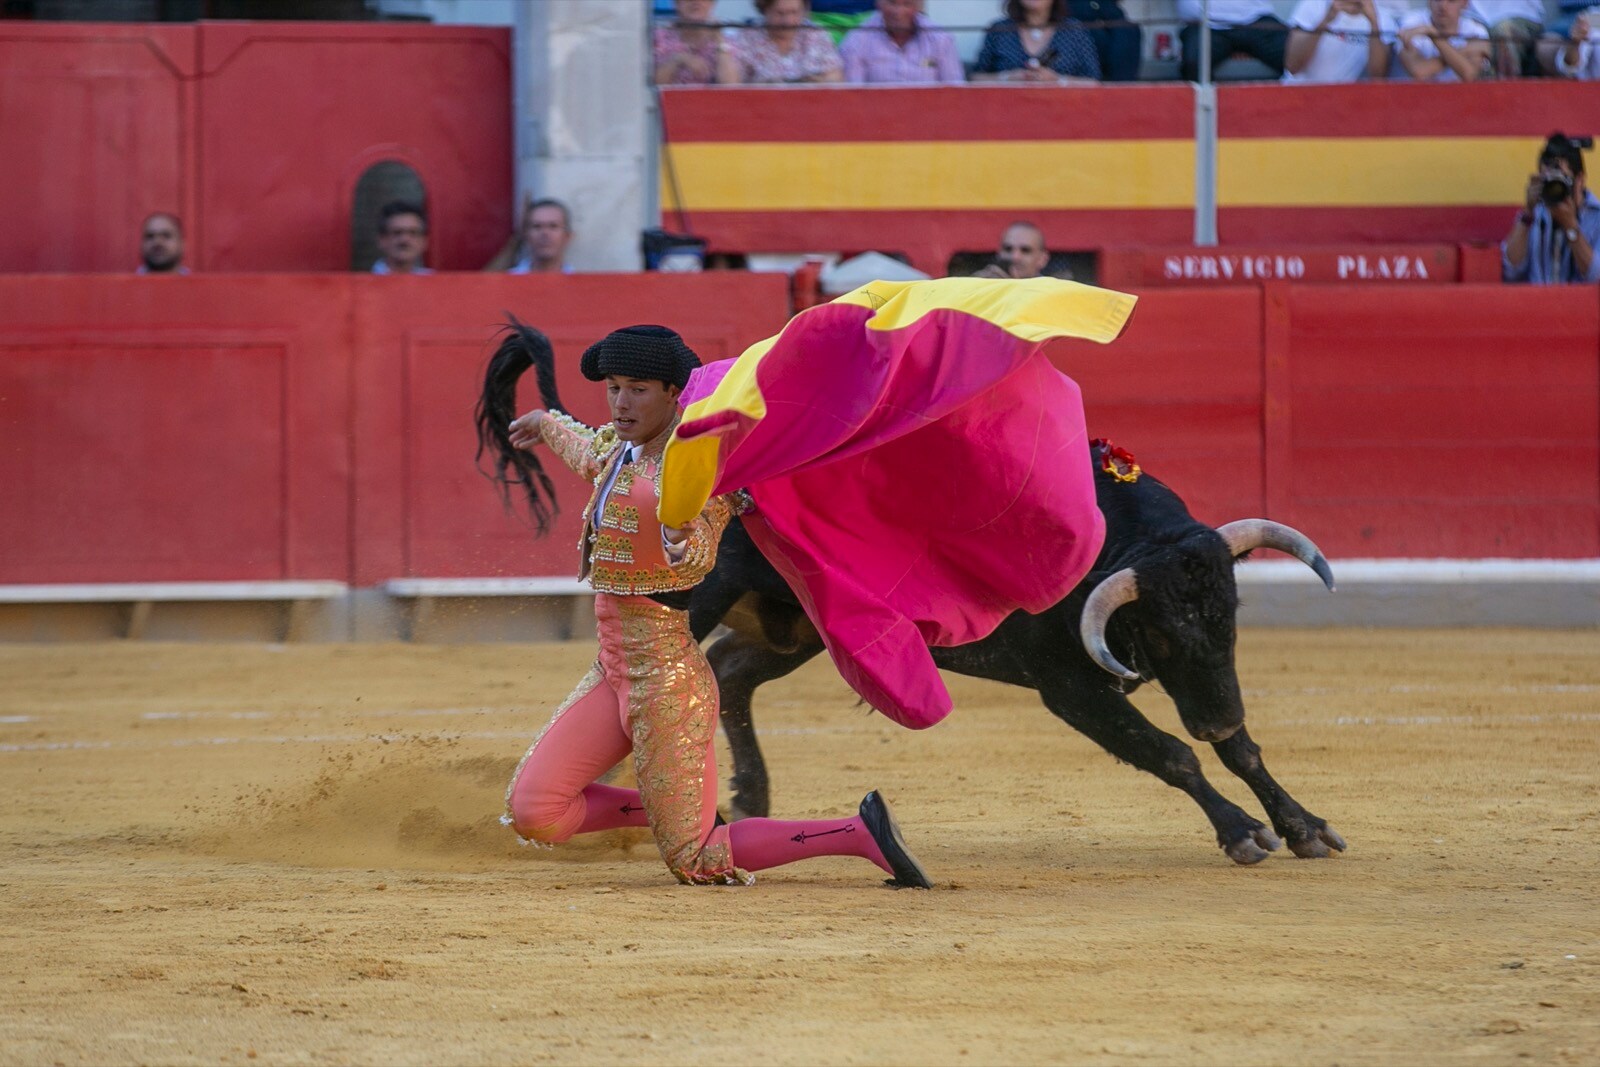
(550,201)
(1058,11)
(177,223)
(521,348)
(763,5)
(400,207)
(1561,148)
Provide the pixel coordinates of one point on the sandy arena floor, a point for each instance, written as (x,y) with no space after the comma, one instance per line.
(224,854)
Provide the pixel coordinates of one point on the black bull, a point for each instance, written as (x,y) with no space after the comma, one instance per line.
(1170,575)
(1172,578)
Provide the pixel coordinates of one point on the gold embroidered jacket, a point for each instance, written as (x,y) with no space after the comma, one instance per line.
(621,550)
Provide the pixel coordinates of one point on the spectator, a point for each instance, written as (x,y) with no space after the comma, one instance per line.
(1515,27)
(161,245)
(1553,238)
(1338,41)
(402,238)
(1579,57)
(1442,44)
(787,48)
(1558,34)
(1022,254)
(1116,46)
(1037,42)
(540,246)
(1238,27)
(898,44)
(691,51)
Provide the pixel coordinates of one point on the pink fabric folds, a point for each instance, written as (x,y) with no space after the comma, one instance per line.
(914,485)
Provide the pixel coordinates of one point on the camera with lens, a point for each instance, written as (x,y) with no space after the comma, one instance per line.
(1561,158)
(1556,187)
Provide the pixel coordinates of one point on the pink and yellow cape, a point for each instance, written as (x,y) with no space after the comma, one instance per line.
(918,466)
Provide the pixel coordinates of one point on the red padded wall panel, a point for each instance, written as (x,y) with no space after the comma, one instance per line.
(95,133)
(420,368)
(1182,390)
(173,429)
(319,426)
(295,112)
(1465,421)
(120,481)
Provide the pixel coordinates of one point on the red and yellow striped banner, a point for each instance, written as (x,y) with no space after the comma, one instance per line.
(936,170)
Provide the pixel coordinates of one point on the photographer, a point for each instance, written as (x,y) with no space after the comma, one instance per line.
(1552,241)
(1022,253)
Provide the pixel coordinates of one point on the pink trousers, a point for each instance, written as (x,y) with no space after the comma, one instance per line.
(652,693)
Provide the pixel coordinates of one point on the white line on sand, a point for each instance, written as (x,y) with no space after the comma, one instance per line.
(375,713)
(318,739)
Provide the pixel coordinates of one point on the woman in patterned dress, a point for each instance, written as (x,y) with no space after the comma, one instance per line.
(786,48)
(692,50)
(1037,42)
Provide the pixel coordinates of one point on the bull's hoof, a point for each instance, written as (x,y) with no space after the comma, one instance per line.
(1254,847)
(1322,842)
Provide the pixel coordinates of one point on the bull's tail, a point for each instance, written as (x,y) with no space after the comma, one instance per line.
(520,348)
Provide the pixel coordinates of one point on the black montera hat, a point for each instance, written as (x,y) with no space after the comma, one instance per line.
(652,353)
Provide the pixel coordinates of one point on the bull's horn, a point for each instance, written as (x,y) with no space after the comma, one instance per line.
(1113,592)
(1248,534)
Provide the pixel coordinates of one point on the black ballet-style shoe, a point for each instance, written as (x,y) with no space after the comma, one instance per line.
(880,823)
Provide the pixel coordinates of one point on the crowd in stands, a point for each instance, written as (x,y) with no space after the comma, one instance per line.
(1076,42)
(1552,239)
(538,246)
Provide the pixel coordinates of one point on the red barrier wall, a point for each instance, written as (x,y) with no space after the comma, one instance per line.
(319,426)
(1182,389)
(296,426)
(162,429)
(92,131)
(254,132)
(422,508)
(1435,421)
(1459,422)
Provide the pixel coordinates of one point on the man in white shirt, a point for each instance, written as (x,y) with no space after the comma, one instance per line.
(1442,44)
(540,244)
(546,233)
(1334,41)
(1238,27)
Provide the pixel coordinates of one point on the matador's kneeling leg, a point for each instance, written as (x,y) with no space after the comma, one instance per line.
(553,794)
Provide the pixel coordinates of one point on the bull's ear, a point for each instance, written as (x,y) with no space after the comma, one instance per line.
(1247,535)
